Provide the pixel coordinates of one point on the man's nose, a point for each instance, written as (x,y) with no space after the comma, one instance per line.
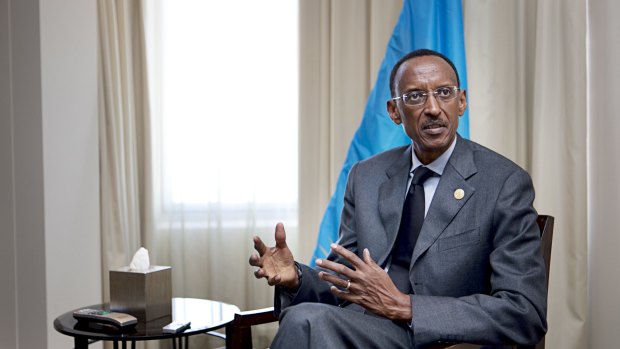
(431,106)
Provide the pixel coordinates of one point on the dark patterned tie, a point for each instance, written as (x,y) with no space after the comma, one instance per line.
(410,226)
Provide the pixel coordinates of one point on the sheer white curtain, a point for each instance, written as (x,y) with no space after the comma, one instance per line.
(224,85)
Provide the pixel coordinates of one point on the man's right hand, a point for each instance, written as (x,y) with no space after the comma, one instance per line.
(276,264)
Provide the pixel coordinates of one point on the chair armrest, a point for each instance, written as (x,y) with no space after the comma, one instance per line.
(239,331)
(255,317)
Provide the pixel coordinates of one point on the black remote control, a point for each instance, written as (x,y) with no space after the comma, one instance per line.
(98,315)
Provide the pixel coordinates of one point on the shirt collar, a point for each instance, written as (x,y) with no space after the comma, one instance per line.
(439,164)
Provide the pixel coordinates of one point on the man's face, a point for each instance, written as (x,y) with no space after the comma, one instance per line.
(432,125)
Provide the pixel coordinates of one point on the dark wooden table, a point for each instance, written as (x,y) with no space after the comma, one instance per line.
(205,316)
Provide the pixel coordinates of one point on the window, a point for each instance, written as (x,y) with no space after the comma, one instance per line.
(224,89)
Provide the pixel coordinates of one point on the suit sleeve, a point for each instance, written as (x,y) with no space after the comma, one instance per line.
(514,310)
(312,288)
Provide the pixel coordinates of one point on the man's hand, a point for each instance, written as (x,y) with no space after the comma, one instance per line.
(367,285)
(276,264)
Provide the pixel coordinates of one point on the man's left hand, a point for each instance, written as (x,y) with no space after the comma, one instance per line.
(367,285)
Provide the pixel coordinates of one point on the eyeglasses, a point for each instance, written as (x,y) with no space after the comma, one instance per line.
(417,98)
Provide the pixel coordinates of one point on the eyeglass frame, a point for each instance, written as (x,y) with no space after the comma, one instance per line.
(426,94)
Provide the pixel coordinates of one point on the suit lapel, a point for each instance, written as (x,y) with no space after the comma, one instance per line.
(392,197)
(445,205)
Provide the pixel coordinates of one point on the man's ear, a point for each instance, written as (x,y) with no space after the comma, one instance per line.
(393,112)
(462,102)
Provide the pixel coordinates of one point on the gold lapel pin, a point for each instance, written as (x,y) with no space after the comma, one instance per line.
(459,194)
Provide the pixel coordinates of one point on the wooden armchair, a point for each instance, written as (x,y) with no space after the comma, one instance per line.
(239,332)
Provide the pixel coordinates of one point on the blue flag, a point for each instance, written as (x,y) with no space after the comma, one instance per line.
(431,24)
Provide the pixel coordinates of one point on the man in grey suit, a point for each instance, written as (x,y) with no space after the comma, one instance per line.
(473,274)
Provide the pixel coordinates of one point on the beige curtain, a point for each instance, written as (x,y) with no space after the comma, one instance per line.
(342,44)
(124,137)
(526,66)
(124,140)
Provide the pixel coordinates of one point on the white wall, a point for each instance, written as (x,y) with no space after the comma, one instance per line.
(24,294)
(603,173)
(49,167)
(71,157)
(8,280)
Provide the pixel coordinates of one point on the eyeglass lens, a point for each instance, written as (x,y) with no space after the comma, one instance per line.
(442,94)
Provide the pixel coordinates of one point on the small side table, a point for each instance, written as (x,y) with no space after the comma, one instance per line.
(205,316)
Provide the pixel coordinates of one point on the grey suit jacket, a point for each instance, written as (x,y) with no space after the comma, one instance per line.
(477,273)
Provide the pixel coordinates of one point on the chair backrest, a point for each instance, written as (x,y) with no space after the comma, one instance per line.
(545,224)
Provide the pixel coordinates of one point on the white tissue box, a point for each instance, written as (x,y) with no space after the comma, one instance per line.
(147,295)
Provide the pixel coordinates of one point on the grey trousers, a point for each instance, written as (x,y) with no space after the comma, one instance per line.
(317,325)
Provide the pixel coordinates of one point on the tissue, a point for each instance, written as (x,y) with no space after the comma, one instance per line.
(140,260)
